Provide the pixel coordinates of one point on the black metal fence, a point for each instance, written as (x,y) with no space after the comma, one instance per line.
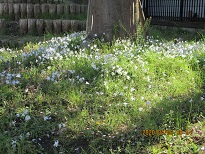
(175,10)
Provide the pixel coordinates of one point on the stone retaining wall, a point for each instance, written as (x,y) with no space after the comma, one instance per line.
(24,10)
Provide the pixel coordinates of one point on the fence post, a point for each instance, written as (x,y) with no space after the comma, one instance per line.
(32,26)
(60,9)
(17,11)
(72,8)
(6,9)
(1,9)
(23,10)
(57,25)
(74,25)
(40,26)
(66,25)
(30,10)
(23,24)
(2,25)
(36,10)
(66,9)
(11,10)
(48,26)
(52,9)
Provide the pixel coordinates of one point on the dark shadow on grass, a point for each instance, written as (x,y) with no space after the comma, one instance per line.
(185,111)
(175,34)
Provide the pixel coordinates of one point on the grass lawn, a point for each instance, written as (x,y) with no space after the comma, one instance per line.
(59,96)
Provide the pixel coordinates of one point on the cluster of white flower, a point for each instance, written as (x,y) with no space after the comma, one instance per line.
(54,49)
(68,46)
(55,76)
(24,115)
(182,49)
(8,78)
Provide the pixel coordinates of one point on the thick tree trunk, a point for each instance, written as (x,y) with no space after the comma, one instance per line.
(112,18)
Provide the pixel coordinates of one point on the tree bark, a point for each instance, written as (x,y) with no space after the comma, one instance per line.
(112,18)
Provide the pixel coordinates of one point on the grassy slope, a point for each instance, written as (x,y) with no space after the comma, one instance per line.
(75,100)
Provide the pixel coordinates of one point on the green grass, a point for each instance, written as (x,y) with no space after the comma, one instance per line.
(72,99)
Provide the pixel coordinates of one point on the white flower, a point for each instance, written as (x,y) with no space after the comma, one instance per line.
(140,109)
(132,89)
(94,66)
(18,75)
(125,103)
(48,78)
(132,98)
(27,134)
(2,74)
(82,79)
(27,118)
(13,143)
(46,118)
(148,79)
(203,148)
(171,111)
(13,123)
(25,113)
(128,77)
(87,83)
(76,149)
(7,81)
(14,82)
(20,136)
(142,98)
(121,94)
(56,143)
(60,126)
(183,135)
(71,71)
(26,90)
(9,75)
(148,102)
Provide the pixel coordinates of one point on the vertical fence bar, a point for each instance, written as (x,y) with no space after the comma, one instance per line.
(147,6)
(181,10)
(158,9)
(150,8)
(168,10)
(200,10)
(175,13)
(178,13)
(153,8)
(164,10)
(186,12)
(202,15)
(189,4)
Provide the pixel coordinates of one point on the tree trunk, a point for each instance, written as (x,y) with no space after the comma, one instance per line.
(112,18)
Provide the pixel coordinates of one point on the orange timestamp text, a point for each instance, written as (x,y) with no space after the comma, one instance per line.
(150,132)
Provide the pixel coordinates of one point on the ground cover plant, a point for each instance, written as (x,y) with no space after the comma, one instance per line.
(67,95)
